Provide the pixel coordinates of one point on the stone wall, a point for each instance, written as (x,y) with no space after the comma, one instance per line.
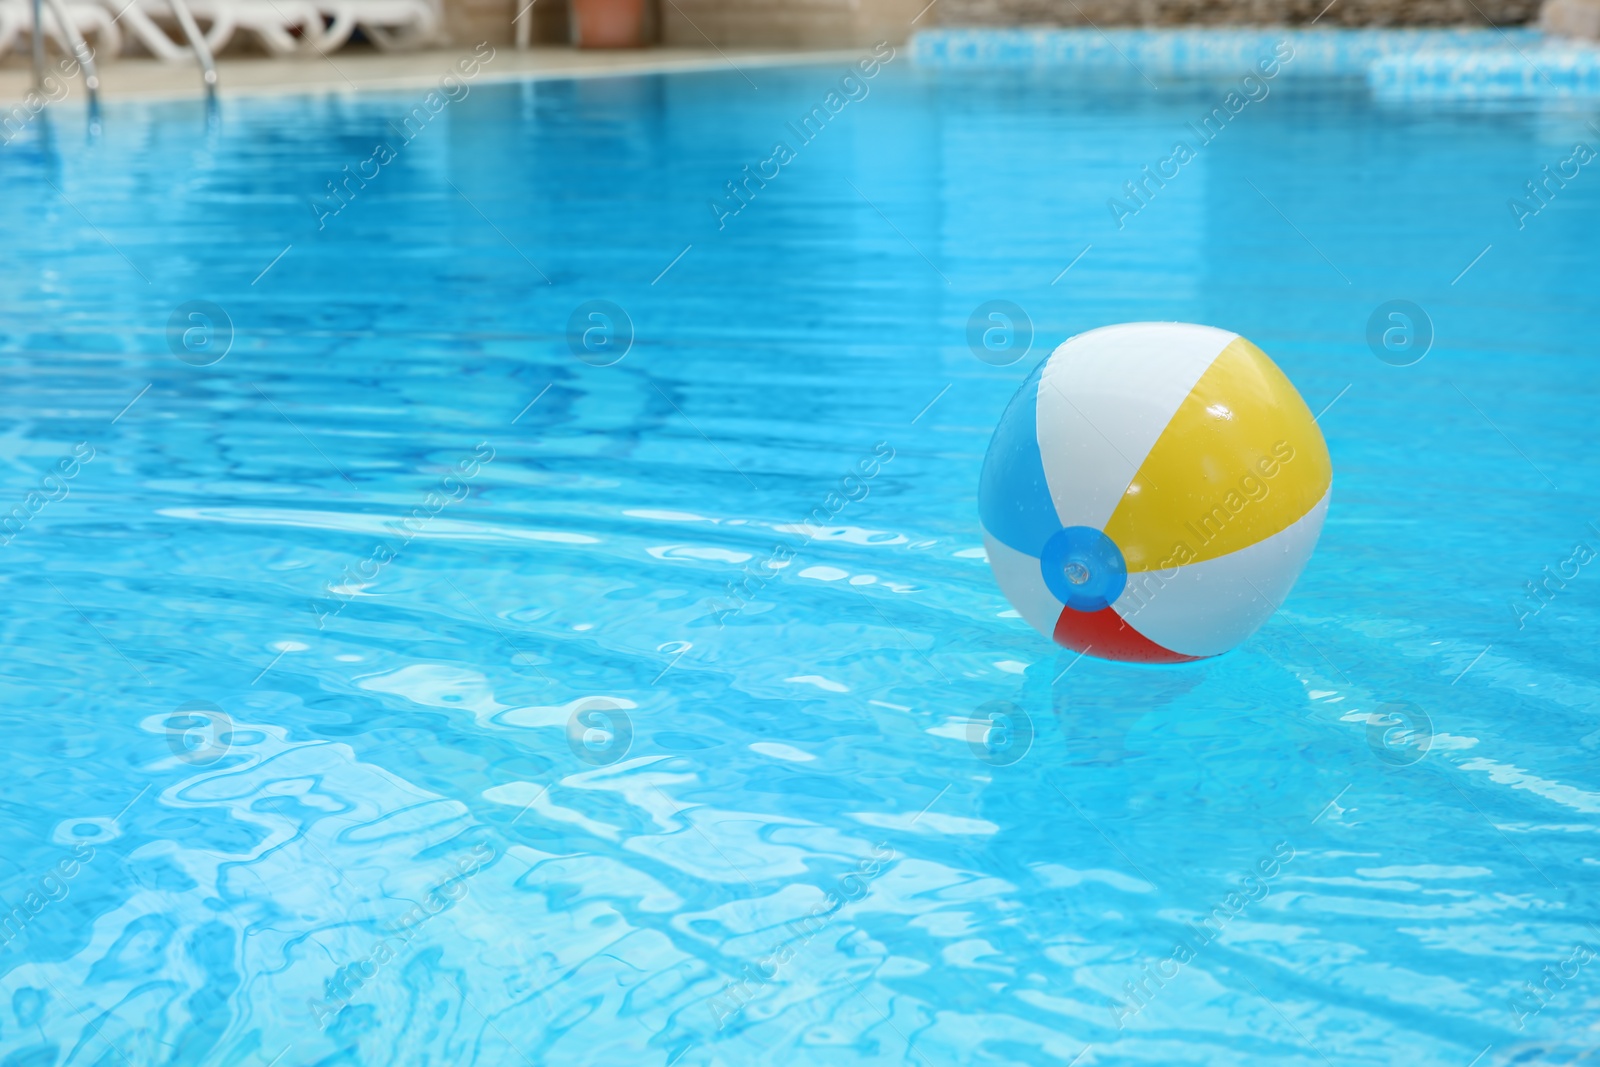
(788,23)
(466,22)
(854,23)
(700,23)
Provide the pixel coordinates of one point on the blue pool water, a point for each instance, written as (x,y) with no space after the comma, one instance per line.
(379,692)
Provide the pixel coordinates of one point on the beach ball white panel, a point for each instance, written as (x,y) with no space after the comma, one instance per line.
(1019,579)
(1209,607)
(1125,384)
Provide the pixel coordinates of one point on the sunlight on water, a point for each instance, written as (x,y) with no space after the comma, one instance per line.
(400,687)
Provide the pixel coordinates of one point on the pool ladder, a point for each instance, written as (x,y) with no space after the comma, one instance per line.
(85,58)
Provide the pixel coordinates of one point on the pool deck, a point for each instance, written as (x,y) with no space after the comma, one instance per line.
(137,78)
(1463,63)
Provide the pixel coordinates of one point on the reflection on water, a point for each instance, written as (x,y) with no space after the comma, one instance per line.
(402,686)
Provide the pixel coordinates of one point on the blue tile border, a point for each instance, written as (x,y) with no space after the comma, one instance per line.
(1446,63)
(1554,71)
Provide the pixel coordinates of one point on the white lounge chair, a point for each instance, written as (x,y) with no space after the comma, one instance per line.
(271,22)
(147,33)
(86,19)
(389,24)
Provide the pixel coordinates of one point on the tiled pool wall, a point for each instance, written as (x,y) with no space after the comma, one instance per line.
(1223,13)
(1451,63)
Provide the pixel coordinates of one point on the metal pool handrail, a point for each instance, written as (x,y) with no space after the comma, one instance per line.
(38,46)
(80,47)
(197,41)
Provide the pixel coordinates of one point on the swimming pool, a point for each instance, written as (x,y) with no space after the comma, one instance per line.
(537,615)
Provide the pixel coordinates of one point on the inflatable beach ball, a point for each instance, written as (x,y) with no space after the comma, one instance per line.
(1152,492)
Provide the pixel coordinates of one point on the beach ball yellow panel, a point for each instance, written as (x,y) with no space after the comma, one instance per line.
(1152,492)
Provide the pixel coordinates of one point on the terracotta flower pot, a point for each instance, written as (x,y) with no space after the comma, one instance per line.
(608,23)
